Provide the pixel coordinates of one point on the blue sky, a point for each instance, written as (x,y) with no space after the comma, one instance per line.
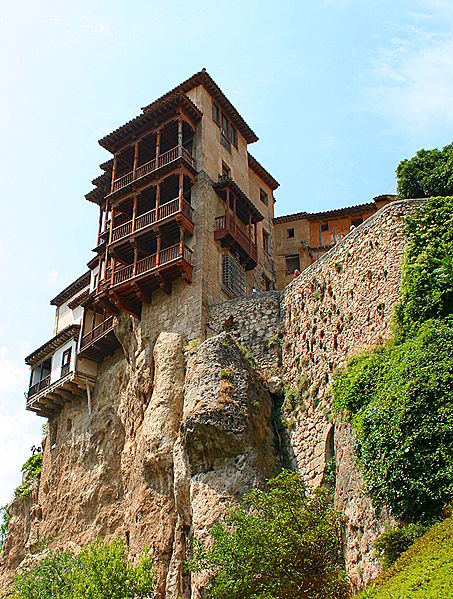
(337,90)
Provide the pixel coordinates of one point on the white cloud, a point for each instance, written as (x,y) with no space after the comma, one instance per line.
(52,277)
(414,72)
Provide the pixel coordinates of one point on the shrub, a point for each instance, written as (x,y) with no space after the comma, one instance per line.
(32,471)
(100,571)
(226,373)
(395,541)
(4,525)
(400,401)
(280,543)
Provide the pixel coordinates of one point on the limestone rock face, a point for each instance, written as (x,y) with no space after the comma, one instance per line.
(167,445)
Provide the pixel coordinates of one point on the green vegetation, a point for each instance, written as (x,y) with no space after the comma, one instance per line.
(399,397)
(279,544)
(191,345)
(32,471)
(423,572)
(395,541)
(226,373)
(4,525)
(100,571)
(247,355)
(428,173)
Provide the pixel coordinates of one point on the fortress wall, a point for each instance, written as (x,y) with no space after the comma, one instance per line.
(338,307)
(255,322)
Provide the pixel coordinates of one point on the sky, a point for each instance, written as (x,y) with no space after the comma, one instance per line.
(338,91)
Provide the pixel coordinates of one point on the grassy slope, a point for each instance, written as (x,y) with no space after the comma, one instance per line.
(424,571)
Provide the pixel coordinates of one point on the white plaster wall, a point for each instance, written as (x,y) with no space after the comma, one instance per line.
(57,357)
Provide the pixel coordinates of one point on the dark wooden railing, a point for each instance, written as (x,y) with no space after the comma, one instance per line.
(39,386)
(153,165)
(174,252)
(171,208)
(65,370)
(227,222)
(98,331)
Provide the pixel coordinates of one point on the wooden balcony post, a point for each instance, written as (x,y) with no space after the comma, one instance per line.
(179,135)
(113,172)
(157,201)
(134,268)
(181,241)
(134,211)
(157,145)
(181,189)
(106,211)
(234,212)
(134,168)
(98,282)
(157,248)
(227,214)
(250,231)
(112,266)
(256,226)
(112,220)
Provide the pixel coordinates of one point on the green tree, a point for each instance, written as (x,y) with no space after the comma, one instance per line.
(282,543)
(31,470)
(100,571)
(428,173)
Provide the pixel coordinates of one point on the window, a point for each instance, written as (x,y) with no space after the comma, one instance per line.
(356,221)
(216,113)
(324,226)
(66,357)
(292,264)
(233,276)
(226,171)
(228,132)
(267,283)
(263,197)
(290,233)
(266,242)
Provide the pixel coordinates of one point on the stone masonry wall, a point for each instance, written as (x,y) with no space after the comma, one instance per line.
(255,322)
(338,307)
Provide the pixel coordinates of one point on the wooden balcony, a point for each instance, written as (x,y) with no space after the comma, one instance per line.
(177,209)
(99,342)
(178,255)
(230,232)
(47,399)
(163,162)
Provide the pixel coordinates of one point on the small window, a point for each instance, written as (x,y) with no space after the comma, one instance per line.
(356,221)
(290,233)
(234,136)
(292,264)
(226,171)
(216,113)
(263,197)
(66,357)
(267,283)
(324,226)
(266,242)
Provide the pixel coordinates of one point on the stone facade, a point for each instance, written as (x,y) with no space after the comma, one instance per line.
(339,306)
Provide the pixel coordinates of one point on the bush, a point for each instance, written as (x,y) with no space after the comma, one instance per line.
(400,401)
(427,286)
(100,571)
(428,173)
(282,543)
(32,471)
(4,525)
(395,541)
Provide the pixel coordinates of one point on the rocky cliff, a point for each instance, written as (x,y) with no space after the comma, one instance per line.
(177,433)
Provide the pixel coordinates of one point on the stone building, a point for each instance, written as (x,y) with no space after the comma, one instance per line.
(301,238)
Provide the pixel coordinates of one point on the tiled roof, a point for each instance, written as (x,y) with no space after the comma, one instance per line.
(71,289)
(49,347)
(262,172)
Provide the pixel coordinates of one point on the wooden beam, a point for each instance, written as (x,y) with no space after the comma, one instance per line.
(163,283)
(125,305)
(144,295)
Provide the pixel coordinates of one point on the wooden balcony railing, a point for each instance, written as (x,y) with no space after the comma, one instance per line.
(65,370)
(98,331)
(39,386)
(153,165)
(153,262)
(144,220)
(228,224)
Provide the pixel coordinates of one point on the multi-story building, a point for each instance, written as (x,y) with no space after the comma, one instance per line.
(186,220)
(301,238)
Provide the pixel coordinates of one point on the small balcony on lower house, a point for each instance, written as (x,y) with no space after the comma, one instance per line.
(98,339)
(58,375)
(237,227)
